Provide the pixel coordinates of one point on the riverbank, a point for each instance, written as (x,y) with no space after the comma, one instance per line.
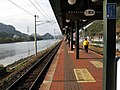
(9,53)
(19,67)
(30,59)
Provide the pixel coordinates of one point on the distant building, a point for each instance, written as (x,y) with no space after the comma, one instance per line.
(16,36)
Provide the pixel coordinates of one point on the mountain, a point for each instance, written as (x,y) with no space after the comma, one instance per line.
(43,37)
(8,34)
(9,31)
(118,16)
(59,36)
(97,26)
(37,36)
(47,36)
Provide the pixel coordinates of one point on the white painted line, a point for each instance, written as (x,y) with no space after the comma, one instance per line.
(97,64)
(83,75)
(118,75)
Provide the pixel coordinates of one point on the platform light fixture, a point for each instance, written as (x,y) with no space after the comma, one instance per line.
(66,26)
(94,0)
(67,20)
(84,20)
(71,2)
(64,29)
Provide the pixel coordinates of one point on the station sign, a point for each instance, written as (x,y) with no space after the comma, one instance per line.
(82,10)
(86,14)
(89,12)
(111,10)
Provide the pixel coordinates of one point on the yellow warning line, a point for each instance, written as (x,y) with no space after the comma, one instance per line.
(83,75)
(97,64)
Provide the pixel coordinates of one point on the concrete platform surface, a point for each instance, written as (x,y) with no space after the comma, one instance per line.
(69,73)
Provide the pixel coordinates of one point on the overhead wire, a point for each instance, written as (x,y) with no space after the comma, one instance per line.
(38,9)
(42,9)
(21,8)
(45,13)
(31,13)
(41,12)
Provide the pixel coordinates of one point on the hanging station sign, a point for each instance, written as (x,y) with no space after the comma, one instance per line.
(89,12)
(111,10)
(86,14)
(92,9)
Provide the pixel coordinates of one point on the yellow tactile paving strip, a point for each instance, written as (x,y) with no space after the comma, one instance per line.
(97,64)
(83,75)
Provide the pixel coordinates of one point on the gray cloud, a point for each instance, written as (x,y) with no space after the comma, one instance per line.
(11,14)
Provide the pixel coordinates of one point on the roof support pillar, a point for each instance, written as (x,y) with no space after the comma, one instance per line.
(69,37)
(67,34)
(109,62)
(72,39)
(77,38)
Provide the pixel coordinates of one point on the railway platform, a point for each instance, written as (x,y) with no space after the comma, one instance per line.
(68,73)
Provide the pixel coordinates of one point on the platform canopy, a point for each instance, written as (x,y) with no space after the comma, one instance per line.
(83,10)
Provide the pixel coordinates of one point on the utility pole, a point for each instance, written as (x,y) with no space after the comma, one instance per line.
(28,38)
(28,32)
(54,33)
(35,37)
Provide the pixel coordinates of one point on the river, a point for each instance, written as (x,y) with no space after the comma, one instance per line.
(12,52)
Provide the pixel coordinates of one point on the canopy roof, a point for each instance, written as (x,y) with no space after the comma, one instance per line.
(63,11)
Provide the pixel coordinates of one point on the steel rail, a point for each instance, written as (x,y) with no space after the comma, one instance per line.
(34,76)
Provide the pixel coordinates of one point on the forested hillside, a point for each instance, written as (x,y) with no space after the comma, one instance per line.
(118,16)
(97,26)
(9,34)
(8,31)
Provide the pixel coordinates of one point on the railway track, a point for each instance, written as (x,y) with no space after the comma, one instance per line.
(32,79)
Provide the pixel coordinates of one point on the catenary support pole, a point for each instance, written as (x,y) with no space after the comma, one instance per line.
(35,37)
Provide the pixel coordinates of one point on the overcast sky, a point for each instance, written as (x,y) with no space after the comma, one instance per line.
(10,14)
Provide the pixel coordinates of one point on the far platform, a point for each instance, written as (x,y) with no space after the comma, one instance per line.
(68,73)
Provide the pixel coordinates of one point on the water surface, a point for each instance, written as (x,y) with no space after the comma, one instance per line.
(12,52)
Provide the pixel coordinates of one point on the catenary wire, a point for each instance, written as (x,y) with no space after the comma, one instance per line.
(38,9)
(42,9)
(27,11)
(41,12)
(21,8)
